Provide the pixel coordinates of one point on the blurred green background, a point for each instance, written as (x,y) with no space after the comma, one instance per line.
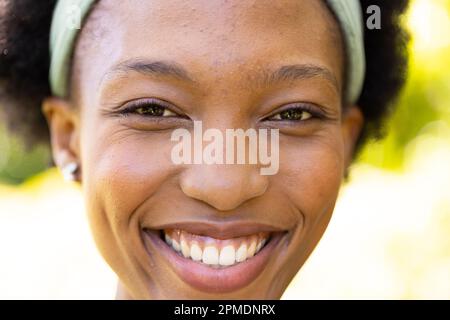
(389,236)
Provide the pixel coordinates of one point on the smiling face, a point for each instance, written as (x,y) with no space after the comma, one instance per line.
(145,68)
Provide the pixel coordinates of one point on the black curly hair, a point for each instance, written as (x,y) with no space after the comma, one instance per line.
(24,66)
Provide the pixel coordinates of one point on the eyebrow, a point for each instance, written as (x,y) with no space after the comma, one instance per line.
(298,72)
(265,78)
(151,68)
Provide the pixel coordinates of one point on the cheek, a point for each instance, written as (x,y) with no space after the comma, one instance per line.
(312,171)
(122,171)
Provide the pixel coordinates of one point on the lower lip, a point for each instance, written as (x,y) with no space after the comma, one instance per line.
(205,278)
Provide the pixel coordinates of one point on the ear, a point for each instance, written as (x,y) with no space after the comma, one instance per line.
(63,122)
(352,123)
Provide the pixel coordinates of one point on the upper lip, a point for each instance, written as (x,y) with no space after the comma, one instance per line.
(222,230)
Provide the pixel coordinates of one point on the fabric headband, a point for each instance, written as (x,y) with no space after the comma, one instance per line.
(70,14)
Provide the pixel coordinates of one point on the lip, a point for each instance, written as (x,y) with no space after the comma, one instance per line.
(214,280)
(222,230)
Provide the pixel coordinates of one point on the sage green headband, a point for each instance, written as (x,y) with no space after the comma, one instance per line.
(69,15)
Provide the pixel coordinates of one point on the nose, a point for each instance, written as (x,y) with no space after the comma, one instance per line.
(223,187)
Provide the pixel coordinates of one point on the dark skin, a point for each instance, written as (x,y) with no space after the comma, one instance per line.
(225,49)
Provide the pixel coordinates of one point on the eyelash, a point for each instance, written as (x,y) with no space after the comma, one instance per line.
(315,114)
(134,106)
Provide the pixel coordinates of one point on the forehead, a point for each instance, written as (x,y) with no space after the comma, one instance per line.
(213,39)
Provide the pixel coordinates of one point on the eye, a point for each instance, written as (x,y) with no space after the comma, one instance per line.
(154,110)
(149,108)
(292,114)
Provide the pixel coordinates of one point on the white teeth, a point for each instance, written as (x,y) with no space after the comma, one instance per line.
(196,252)
(252,249)
(185,249)
(175,245)
(210,255)
(260,245)
(241,253)
(263,242)
(168,239)
(227,256)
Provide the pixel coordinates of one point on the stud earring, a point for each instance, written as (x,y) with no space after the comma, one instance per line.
(69,171)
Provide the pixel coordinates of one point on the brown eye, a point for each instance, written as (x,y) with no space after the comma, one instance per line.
(294,114)
(154,110)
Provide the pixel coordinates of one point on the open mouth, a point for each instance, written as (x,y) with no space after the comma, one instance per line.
(215,258)
(216,253)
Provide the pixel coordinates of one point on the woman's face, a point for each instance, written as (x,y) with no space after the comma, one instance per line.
(230,64)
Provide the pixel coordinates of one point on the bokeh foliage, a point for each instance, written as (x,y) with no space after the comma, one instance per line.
(425,100)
